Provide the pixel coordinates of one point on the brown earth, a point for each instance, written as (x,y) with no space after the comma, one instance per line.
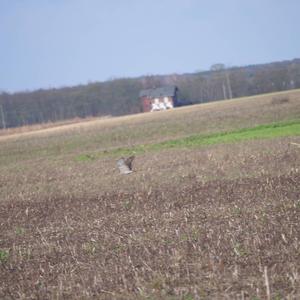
(214,222)
(202,239)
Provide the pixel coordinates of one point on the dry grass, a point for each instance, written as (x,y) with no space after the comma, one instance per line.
(17,131)
(216,222)
(208,117)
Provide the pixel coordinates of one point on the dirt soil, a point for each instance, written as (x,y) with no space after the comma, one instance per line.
(209,240)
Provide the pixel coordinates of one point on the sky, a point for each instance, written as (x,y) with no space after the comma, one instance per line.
(56,43)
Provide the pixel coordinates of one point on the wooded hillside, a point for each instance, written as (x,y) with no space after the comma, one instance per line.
(120,96)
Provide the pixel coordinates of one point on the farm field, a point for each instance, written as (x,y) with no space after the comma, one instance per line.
(211,211)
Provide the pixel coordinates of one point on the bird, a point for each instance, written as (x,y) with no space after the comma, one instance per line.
(125,165)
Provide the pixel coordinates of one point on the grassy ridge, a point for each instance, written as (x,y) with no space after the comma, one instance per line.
(267,131)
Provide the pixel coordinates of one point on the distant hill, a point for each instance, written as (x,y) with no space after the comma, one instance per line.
(120,96)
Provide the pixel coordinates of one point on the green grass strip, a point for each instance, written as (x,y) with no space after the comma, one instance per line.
(267,131)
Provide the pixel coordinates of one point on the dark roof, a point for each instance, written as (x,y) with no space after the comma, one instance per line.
(168,90)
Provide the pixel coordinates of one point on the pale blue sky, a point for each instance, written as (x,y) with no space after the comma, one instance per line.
(54,43)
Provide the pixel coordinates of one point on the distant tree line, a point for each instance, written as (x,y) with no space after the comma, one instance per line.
(120,96)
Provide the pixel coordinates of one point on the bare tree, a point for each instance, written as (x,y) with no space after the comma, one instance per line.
(2,117)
